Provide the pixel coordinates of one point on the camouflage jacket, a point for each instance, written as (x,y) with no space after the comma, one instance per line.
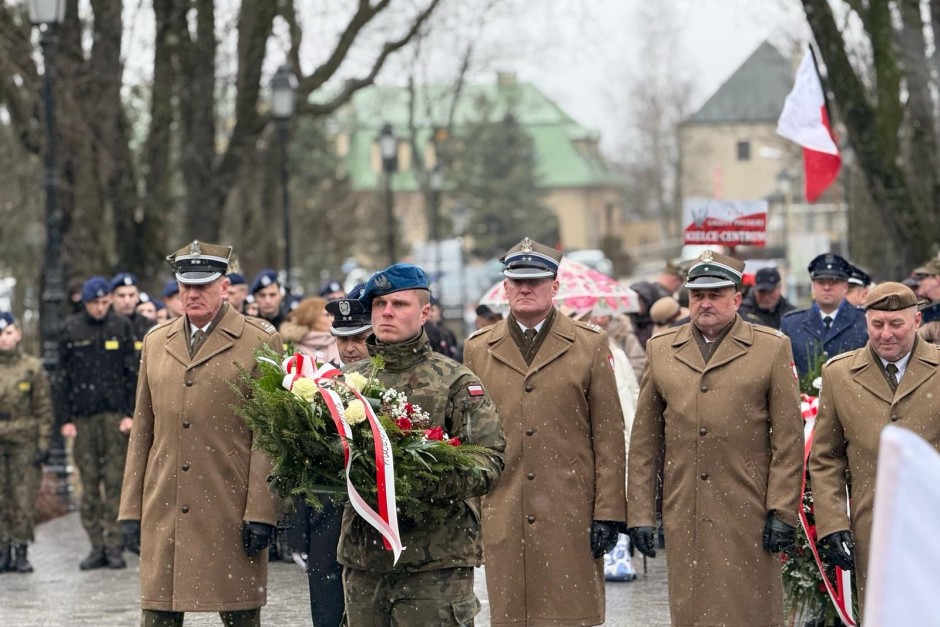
(26,413)
(448,392)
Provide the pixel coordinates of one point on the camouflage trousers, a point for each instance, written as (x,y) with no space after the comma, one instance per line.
(100,451)
(434,598)
(19,484)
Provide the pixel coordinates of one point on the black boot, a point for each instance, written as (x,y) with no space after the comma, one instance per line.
(94,560)
(6,557)
(115,558)
(20,563)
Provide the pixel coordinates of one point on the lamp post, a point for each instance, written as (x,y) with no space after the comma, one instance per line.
(388,148)
(46,15)
(283,97)
(785,189)
(436,181)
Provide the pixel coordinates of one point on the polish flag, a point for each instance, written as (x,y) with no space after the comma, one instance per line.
(804,120)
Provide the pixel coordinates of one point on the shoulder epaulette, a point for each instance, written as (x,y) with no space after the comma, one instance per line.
(588,325)
(261,323)
(480,332)
(768,330)
(793,313)
(839,356)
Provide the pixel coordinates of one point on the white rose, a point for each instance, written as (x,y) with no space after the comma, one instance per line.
(305,389)
(356,381)
(355,412)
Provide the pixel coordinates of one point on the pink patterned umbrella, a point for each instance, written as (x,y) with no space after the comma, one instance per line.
(580,288)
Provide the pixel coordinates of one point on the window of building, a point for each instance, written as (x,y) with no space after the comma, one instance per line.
(744,151)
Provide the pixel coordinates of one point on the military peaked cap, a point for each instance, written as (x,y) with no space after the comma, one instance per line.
(829,266)
(351,316)
(531,260)
(713,270)
(199,263)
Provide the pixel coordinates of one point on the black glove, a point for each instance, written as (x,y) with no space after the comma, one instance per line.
(837,549)
(130,529)
(42,456)
(603,537)
(256,536)
(777,535)
(644,539)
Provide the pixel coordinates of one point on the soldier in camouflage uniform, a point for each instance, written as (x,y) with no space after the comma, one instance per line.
(26,418)
(432,584)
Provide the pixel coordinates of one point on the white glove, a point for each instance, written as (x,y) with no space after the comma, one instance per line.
(300,559)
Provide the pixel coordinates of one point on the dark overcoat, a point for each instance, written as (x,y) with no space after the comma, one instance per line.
(565,464)
(192,476)
(733,436)
(809,337)
(855,404)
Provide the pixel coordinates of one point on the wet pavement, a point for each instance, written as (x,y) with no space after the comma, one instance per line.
(57,593)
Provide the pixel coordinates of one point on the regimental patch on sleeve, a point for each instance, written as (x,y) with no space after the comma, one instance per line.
(475,390)
(796,376)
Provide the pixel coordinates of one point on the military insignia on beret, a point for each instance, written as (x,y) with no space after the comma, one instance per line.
(265,280)
(344,307)
(892,302)
(707,256)
(194,248)
(381,282)
(526,245)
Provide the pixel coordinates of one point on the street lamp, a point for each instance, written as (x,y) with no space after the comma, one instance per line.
(46,15)
(436,181)
(388,148)
(283,96)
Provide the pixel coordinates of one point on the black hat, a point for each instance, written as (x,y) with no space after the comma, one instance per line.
(857,276)
(829,266)
(530,260)
(350,316)
(713,270)
(265,278)
(766,279)
(199,263)
(123,279)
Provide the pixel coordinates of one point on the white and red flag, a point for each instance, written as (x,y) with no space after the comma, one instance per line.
(805,120)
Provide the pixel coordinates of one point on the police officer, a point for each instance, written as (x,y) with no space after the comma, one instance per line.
(858,287)
(125,296)
(765,304)
(312,535)
(26,418)
(832,325)
(96,401)
(237,291)
(171,299)
(267,293)
(432,583)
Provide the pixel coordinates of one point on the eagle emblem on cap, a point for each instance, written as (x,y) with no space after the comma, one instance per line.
(527,245)
(194,248)
(381,282)
(344,307)
(707,256)
(893,302)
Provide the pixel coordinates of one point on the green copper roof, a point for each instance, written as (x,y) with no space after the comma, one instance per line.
(561,161)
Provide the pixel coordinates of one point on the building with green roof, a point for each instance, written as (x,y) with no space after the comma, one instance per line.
(578,184)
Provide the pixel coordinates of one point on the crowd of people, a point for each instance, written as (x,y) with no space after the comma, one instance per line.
(674,426)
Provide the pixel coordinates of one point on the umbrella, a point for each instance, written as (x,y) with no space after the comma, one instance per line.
(580,288)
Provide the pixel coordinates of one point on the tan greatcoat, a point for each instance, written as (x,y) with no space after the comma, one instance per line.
(855,404)
(733,437)
(565,463)
(192,476)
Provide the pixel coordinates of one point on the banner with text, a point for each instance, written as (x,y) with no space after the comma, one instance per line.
(725,222)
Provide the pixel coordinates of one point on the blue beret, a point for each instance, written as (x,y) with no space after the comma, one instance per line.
(171,288)
(235,278)
(357,291)
(95,287)
(6,320)
(265,278)
(330,286)
(829,266)
(123,279)
(158,303)
(395,278)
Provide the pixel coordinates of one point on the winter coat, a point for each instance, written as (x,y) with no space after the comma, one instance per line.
(318,344)
(808,335)
(855,404)
(751,311)
(564,468)
(26,414)
(192,477)
(733,439)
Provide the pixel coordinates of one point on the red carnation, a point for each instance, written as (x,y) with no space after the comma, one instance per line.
(404,424)
(454,441)
(409,408)
(437,433)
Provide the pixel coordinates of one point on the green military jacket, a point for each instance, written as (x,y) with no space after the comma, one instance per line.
(26,413)
(449,393)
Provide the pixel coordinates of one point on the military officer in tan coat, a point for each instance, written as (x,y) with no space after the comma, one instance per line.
(720,396)
(892,380)
(195,499)
(561,499)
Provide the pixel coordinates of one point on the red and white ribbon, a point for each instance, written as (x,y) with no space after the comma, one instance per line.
(840,591)
(385,521)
